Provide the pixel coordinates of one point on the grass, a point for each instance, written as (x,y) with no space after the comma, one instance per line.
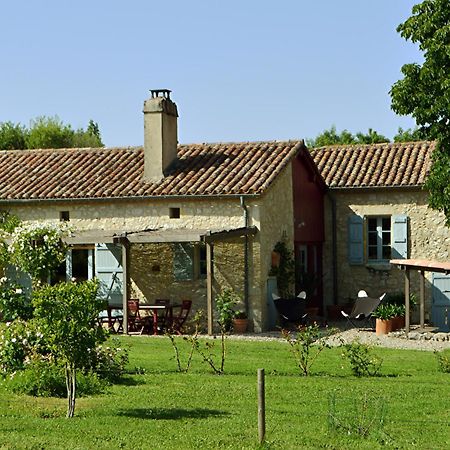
(163,409)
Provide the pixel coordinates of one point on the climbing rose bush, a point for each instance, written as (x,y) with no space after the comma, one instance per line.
(14,304)
(38,249)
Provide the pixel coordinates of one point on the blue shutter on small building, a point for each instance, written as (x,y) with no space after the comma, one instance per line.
(355,239)
(109,271)
(183,261)
(399,237)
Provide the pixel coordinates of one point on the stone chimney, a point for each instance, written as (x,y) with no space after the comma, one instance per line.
(160,134)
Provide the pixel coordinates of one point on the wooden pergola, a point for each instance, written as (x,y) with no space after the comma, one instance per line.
(127,238)
(422,266)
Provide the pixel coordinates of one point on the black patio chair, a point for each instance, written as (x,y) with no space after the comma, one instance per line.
(362,309)
(291,309)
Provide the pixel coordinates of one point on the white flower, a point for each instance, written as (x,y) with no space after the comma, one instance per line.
(24,342)
(8,324)
(18,291)
(13,340)
(3,279)
(73,279)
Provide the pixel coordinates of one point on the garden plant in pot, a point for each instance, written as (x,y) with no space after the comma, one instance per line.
(384,315)
(228,318)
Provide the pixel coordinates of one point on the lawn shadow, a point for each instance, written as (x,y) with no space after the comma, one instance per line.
(170,413)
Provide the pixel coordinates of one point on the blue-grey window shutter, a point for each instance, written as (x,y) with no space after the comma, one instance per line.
(355,239)
(399,237)
(183,261)
(109,271)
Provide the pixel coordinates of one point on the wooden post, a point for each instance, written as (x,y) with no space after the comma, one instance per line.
(407,294)
(422,298)
(209,293)
(261,406)
(126,280)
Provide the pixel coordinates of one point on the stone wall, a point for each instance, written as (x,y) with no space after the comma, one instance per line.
(428,238)
(277,222)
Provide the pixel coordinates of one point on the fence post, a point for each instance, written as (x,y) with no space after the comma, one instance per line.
(261,406)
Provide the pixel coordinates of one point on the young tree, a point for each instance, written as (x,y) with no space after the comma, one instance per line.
(67,316)
(409,135)
(371,137)
(424,92)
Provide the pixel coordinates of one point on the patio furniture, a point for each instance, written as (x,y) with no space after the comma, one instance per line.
(160,316)
(179,320)
(135,322)
(291,309)
(363,308)
(113,318)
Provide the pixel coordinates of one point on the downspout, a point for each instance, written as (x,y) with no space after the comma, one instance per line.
(334,246)
(246,290)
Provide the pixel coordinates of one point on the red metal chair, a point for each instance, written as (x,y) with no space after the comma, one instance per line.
(179,320)
(135,322)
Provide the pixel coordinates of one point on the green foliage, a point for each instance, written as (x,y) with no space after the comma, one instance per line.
(38,249)
(409,135)
(14,304)
(67,315)
(285,272)
(44,379)
(424,91)
(443,361)
(108,362)
(20,342)
(226,301)
(8,222)
(385,312)
(12,136)
(48,132)
(362,362)
(345,137)
(307,344)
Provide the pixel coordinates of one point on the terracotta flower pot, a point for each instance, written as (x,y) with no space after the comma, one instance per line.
(240,325)
(383,326)
(398,323)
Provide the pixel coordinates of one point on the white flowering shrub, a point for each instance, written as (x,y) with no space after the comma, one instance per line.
(20,343)
(38,249)
(14,304)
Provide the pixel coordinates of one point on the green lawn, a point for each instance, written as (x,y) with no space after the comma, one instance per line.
(168,410)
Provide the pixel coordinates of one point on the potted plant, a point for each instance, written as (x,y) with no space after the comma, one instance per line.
(384,315)
(399,318)
(240,322)
(226,301)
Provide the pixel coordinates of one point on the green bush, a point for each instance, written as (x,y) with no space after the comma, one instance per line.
(443,361)
(361,361)
(14,304)
(44,379)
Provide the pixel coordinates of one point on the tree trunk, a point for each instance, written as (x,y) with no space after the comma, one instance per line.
(71,386)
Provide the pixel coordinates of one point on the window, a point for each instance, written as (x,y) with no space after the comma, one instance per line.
(378,238)
(174,213)
(202,261)
(64,216)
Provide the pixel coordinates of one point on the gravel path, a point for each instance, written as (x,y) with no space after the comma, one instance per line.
(415,340)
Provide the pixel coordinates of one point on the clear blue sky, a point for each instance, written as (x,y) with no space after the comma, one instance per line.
(239,70)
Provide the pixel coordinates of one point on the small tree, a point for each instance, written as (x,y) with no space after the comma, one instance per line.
(67,316)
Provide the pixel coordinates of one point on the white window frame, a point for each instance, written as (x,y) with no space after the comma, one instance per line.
(379,233)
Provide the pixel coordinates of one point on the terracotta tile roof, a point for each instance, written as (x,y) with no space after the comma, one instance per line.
(375,165)
(201,169)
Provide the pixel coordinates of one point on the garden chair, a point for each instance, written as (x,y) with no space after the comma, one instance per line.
(362,309)
(164,316)
(291,309)
(179,320)
(135,322)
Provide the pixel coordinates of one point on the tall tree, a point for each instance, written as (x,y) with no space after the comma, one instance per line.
(12,136)
(48,132)
(345,137)
(424,92)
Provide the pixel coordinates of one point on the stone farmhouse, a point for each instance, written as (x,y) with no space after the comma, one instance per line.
(173,221)
(186,221)
(376,210)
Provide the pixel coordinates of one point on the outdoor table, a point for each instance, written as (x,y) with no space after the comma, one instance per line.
(153,310)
